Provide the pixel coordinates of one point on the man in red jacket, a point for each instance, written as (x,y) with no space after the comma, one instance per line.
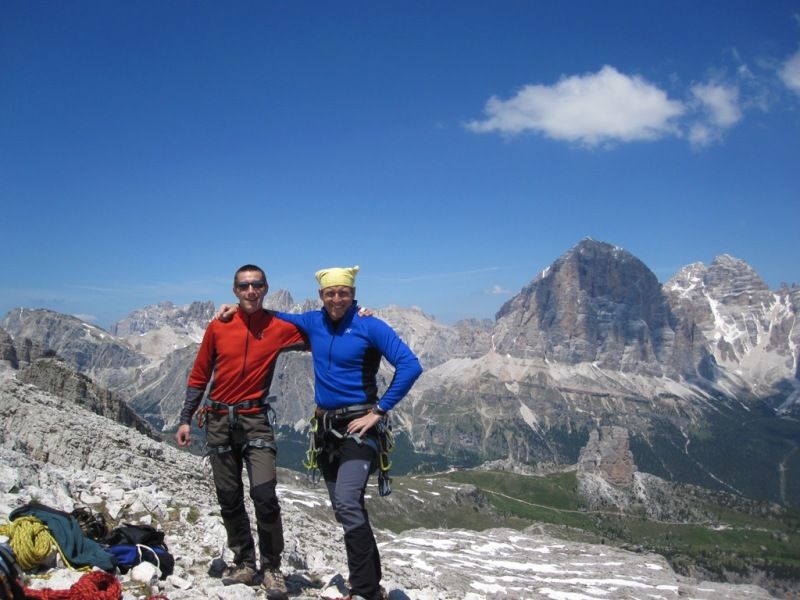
(241,357)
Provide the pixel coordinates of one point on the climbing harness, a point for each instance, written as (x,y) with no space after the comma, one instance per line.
(234,409)
(326,424)
(233,418)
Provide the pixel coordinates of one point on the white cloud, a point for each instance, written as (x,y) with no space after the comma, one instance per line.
(720,101)
(590,109)
(701,135)
(790,72)
(719,105)
(498,290)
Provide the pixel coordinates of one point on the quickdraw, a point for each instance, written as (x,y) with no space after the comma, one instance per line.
(310,463)
(386,440)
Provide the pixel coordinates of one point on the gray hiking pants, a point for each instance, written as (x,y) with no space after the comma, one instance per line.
(261,470)
(346,467)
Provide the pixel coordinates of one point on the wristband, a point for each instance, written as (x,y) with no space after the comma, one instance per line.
(377,410)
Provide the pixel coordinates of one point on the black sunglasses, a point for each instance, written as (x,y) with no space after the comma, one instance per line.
(243,285)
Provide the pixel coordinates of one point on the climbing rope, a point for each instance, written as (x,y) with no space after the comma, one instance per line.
(31,541)
(94,585)
(28,539)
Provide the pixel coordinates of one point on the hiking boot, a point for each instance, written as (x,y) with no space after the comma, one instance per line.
(274,585)
(240,574)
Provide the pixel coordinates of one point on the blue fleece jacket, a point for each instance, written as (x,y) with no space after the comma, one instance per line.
(347,355)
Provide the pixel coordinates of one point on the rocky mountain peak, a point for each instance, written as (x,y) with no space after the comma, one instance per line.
(688,278)
(748,328)
(83,346)
(283,301)
(597,302)
(433,342)
(733,280)
(155,316)
(280,300)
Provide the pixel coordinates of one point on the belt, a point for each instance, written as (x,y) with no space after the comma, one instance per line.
(344,411)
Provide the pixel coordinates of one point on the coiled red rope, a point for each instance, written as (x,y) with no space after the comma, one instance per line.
(94,585)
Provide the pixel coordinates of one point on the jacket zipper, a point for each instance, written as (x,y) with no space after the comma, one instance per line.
(246,346)
(332,327)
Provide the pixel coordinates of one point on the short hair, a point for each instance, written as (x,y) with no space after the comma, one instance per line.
(244,268)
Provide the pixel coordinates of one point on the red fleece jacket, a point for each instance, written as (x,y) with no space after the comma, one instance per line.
(241,356)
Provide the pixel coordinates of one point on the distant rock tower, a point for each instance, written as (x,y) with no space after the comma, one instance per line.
(608,454)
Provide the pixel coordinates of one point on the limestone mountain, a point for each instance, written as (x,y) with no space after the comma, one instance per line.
(182,318)
(700,372)
(599,304)
(283,301)
(158,391)
(595,340)
(157,330)
(88,349)
(433,342)
(751,331)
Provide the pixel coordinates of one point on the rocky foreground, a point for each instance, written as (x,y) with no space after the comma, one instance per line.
(65,456)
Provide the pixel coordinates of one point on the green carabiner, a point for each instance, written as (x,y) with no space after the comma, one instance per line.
(385,463)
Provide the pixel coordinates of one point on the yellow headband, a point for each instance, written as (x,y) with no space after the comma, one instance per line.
(337,276)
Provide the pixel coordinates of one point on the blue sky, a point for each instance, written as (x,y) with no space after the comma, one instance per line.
(452,149)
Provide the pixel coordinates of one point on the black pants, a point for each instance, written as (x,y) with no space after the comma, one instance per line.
(261,470)
(346,467)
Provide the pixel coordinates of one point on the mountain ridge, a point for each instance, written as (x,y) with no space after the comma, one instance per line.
(593,340)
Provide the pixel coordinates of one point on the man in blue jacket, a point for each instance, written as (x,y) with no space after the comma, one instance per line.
(347,352)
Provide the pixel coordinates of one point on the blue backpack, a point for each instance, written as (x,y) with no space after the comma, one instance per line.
(10,576)
(130,555)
